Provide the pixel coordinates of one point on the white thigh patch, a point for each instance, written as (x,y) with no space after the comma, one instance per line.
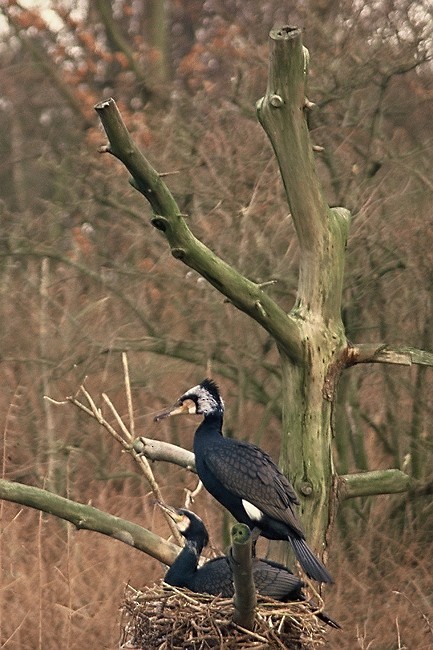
(253,513)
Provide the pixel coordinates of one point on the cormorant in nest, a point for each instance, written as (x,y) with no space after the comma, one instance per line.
(215,576)
(243,478)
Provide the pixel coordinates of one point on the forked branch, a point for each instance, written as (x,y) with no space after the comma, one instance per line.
(246,295)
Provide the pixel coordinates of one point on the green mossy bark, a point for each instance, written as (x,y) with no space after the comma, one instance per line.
(90,518)
(245,599)
(308,386)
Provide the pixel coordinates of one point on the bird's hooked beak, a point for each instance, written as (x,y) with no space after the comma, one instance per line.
(187,406)
(172,512)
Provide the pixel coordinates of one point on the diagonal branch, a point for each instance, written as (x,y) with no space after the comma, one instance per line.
(246,295)
(89,518)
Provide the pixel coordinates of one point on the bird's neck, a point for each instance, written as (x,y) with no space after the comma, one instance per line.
(184,565)
(212,424)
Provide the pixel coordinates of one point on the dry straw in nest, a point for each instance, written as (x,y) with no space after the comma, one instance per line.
(169,618)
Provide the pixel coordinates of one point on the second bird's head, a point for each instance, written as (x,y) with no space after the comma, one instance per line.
(188,523)
(203,399)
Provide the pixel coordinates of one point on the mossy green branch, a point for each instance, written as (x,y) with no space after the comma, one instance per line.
(90,518)
(246,295)
(365,484)
(322,231)
(381,353)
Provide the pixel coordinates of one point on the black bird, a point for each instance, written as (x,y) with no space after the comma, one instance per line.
(215,576)
(243,478)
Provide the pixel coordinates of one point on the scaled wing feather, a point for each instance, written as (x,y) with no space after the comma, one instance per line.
(251,474)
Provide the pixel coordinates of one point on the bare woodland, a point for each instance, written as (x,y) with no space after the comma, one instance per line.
(86,277)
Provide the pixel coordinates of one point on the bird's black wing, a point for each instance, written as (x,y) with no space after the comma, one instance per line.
(214,577)
(250,473)
(274,580)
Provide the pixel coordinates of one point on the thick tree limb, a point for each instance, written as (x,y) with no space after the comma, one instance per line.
(382,353)
(90,518)
(322,232)
(387,481)
(365,484)
(246,295)
(165,451)
(244,599)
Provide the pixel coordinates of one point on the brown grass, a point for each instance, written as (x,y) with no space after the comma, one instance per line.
(64,588)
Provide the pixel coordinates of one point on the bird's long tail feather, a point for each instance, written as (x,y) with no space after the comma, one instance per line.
(328,620)
(323,616)
(312,566)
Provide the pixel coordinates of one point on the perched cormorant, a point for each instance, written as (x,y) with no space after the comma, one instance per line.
(215,576)
(243,478)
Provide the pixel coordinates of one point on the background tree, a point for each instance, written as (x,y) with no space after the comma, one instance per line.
(104,287)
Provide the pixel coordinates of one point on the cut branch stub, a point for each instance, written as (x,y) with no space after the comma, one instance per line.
(322,232)
(240,557)
(386,481)
(281,113)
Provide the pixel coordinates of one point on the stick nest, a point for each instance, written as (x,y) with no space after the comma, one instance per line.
(169,618)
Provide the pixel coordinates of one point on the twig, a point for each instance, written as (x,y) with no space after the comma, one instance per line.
(119,420)
(191,494)
(417,609)
(128,393)
(125,438)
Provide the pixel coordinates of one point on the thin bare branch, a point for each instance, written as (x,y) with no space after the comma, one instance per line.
(128,394)
(126,442)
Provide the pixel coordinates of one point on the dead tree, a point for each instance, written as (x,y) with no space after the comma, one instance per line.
(311,338)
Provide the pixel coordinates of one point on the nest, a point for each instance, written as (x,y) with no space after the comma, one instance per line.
(169,618)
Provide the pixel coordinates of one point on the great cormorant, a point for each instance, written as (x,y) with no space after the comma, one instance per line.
(243,478)
(215,576)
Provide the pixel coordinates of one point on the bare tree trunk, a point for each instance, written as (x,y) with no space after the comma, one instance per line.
(308,386)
